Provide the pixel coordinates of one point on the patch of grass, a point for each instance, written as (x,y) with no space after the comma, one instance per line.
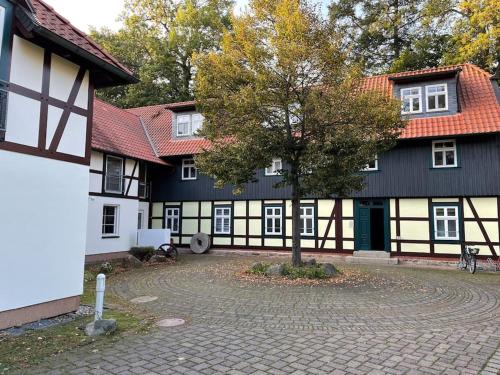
(21,352)
(259,268)
(306,272)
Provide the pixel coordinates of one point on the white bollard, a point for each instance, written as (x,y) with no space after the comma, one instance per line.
(99,295)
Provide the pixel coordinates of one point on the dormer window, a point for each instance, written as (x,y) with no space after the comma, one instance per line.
(275,168)
(412,100)
(372,166)
(188,125)
(437,97)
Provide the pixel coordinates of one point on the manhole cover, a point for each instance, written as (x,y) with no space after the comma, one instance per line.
(144,299)
(172,322)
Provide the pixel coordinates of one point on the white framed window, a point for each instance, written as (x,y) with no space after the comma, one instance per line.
(110,220)
(172,219)
(2,26)
(372,166)
(183,125)
(446,223)
(437,97)
(412,100)
(114,175)
(273,220)
(189,171)
(444,154)
(307,221)
(222,220)
(140,219)
(196,123)
(275,168)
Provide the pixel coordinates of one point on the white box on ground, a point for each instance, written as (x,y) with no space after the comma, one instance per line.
(153,237)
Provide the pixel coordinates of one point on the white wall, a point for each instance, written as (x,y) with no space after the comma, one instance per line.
(43,206)
(127,225)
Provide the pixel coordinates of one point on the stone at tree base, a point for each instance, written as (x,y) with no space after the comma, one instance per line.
(310,262)
(329,269)
(158,259)
(275,270)
(132,261)
(101,327)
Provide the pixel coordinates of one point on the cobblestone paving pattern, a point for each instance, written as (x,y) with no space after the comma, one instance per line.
(396,321)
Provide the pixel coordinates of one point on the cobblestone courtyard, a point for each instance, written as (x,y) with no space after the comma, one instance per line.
(396,321)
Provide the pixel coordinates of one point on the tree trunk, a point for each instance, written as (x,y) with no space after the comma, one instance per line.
(296,250)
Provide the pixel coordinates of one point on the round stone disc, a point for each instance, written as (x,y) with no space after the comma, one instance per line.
(171,322)
(144,299)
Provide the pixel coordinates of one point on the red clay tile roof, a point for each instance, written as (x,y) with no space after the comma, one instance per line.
(49,19)
(480,112)
(158,120)
(121,132)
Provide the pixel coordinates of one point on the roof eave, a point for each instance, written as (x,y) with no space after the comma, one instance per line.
(424,76)
(120,76)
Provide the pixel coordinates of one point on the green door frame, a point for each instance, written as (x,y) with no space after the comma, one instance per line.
(357,225)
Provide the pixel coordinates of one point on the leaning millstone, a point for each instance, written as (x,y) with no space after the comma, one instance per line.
(275,270)
(101,327)
(131,261)
(329,269)
(310,262)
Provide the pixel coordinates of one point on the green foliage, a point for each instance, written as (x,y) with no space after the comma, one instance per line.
(305,272)
(142,253)
(259,268)
(106,268)
(89,276)
(157,42)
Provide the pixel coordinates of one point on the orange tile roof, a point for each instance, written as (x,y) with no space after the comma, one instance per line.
(121,132)
(480,112)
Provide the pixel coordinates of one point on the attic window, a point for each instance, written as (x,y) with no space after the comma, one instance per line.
(412,100)
(437,97)
(188,125)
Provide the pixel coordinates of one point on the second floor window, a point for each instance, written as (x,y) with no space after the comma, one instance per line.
(412,100)
(437,97)
(222,220)
(275,168)
(189,171)
(114,175)
(444,154)
(372,166)
(188,125)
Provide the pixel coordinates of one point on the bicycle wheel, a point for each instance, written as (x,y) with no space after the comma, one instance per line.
(172,252)
(462,264)
(472,264)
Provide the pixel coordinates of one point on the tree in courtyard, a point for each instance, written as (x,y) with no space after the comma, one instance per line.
(282,87)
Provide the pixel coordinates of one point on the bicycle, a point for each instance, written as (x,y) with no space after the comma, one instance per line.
(468,259)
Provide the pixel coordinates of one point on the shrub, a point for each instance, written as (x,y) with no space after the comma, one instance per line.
(142,253)
(88,276)
(259,268)
(106,268)
(311,272)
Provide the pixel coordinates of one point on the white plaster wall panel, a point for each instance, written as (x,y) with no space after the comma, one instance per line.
(129,168)
(325,207)
(288,208)
(415,248)
(347,207)
(485,208)
(447,249)
(254,242)
(27,64)
(308,243)
(206,226)
(288,227)
(348,245)
(239,227)
(96,161)
(82,99)
(189,226)
(322,226)
(53,118)
(393,229)
(62,77)
(288,243)
(255,208)
(239,241)
(392,208)
(134,188)
(413,208)
(23,120)
(51,238)
(74,138)
(240,208)
(445,200)
(348,228)
(255,228)
(329,244)
(127,225)
(274,242)
(156,224)
(222,241)
(206,209)
(157,210)
(190,209)
(473,231)
(226,203)
(414,230)
(95,183)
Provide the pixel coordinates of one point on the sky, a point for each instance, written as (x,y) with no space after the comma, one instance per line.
(99,13)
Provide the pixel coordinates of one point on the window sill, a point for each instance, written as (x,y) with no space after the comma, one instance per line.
(444,168)
(371,171)
(109,237)
(437,110)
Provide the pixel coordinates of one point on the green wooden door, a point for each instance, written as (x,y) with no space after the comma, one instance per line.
(363,224)
(362,232)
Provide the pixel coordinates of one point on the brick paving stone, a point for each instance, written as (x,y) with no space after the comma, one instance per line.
(397,321)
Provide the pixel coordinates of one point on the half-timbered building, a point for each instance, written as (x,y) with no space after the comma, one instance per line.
(435,192)
(48,73)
